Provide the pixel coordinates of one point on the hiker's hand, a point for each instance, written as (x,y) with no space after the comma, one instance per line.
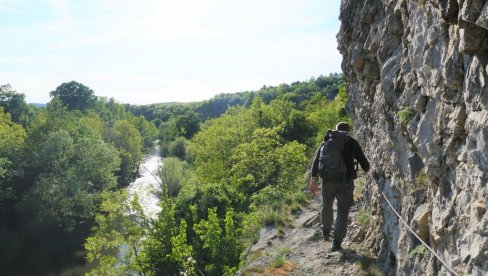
(313,186)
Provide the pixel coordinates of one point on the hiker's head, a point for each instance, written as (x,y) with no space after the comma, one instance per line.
(342,126)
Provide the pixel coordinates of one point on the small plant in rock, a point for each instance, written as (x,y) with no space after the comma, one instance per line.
(285,250)
(279,261)
(359,187)
(406,114)
(274,218)
(295,208)
(370,267)
(299,198)
(419,250)
(364,217)
(280,233)
(421,180)
(257,255)
(254,270)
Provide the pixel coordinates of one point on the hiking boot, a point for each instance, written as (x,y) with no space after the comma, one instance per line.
(336,246)
(326,235)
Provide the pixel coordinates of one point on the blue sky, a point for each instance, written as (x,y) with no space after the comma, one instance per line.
(149,51)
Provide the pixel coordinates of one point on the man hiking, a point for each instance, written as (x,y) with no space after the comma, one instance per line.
(334,163)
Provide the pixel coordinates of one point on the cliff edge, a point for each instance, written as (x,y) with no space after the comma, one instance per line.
(417,79)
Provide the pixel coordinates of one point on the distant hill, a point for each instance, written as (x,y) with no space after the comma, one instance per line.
(38,104)
(300,91)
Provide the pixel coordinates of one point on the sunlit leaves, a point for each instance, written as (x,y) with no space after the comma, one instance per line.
(12,137)
(129,143)
(116,242)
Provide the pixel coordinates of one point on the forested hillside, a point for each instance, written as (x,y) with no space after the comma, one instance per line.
(55,162)
(233,164)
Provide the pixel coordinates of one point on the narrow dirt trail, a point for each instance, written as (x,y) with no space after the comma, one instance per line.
(300,249)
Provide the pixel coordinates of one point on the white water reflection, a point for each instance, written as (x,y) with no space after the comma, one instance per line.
(147,184)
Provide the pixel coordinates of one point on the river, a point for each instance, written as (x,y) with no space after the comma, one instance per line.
(148,183)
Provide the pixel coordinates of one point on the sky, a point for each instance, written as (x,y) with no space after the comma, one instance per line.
(153,51)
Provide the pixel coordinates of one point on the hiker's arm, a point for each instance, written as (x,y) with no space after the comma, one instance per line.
(359,155)
(315,166)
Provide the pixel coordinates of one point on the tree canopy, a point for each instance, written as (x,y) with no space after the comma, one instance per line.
(75,95)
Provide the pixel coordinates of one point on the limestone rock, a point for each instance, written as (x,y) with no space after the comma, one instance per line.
(431,57)
(420,222)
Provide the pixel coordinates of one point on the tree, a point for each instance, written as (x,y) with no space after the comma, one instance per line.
(75,95)
(177,148)
(221,243)
(129,143)
(12,138)
(188,124)
(167,249)
(74,174)
(172,175)
(148,130)
(213,145)
(14,103)
(115,244)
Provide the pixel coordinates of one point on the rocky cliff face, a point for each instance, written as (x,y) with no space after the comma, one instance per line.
(418,83)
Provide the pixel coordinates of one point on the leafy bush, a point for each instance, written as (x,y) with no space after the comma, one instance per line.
(177,148)
(172,174)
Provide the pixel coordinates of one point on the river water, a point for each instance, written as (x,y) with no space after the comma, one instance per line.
(148,183)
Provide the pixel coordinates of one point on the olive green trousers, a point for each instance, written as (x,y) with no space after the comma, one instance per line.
(343,192)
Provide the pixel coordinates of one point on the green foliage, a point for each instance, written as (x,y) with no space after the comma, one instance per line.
(421,181)
(147,130)
(74,173)
(285,250)
(167,249)
(127,139)
(214,144)
(406,114)
(342,95)
(220,242)
(255,163)
(359,185)
(244,167)
(298,92)
(419,250)
(265,161)
(279,261)
(14,103)
(172,175)
(116,240)
(12,137)
(177,148)
(274,218)
(55,165)
(364,217)
(187,124)
(74,95)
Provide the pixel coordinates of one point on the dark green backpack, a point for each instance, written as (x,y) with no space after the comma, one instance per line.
(332,165)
